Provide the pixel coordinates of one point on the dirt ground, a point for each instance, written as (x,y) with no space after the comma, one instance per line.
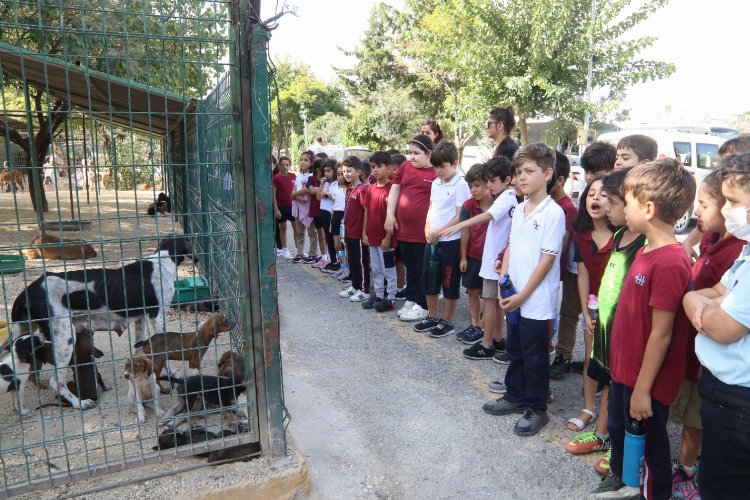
(54,440)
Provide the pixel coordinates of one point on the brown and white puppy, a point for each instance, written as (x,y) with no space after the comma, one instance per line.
(180,346)
(52,247)
(232,364)
(200,392)
(142,385)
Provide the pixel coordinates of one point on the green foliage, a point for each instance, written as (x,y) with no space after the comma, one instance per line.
(331,127)
(136,157)
(388,122)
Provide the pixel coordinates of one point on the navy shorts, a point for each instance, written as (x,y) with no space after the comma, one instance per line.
(471,279)
(318,221)
(336,219)
(286,214)
(450,274)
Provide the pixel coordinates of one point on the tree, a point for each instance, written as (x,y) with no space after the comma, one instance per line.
(331,127)
(388,122)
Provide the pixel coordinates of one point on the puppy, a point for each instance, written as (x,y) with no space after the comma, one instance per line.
(16,367)
(142,385)
(200,392)
(52,247)
(232,364)
(188,347)
(171,438)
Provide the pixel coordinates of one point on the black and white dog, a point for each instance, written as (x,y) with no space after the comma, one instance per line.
(16,367)
(64,304)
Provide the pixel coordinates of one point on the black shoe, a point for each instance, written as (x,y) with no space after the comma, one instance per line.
(478,351)
(401,295)
(499,345)
(385,305)
(559,367)
(311,259)
(331,268)
(442,329)
(501,357)
(530,423)
(426,324)
(297,259)
(370,303)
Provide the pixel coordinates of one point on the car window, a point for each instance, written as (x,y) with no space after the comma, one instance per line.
(682,153)
(708,155)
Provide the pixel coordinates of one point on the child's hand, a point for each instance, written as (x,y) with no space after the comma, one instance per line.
(365,241)
(435,236)
(640,405)
(588,323)
(511,303)
(498,266)
(428,235)
(448,231)
(386,243)
(463,265)
(391,224)
(277,213)
(694,305)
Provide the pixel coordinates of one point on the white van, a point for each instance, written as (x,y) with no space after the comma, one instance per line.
(698,153)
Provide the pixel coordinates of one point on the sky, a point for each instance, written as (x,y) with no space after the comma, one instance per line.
(705,39)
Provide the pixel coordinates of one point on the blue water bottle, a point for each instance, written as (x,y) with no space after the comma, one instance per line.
(506,290)
(635,448)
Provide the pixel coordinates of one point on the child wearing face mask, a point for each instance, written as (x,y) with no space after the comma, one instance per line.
(721,315)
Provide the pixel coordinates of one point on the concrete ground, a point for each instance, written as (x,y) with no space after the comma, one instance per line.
(381,411)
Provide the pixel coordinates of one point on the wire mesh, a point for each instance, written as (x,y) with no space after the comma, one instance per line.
(105,105)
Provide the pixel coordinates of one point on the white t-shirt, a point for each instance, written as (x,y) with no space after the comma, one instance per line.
(339,196)
(445,197)
(498,231)
(48,170)
(531,235)
(326,203)
(300,180)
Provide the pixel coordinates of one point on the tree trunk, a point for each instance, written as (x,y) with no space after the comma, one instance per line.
(524,128)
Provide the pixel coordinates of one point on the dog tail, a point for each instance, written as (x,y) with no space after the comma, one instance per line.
(171,379)
(141,343)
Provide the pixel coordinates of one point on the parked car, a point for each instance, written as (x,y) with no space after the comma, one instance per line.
(699,154)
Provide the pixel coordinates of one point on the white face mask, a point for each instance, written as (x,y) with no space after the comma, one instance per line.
(736,222)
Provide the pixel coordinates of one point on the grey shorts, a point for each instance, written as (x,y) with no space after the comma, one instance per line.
(490,289)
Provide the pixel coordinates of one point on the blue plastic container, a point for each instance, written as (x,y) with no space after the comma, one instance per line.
(635,448)
(507,290)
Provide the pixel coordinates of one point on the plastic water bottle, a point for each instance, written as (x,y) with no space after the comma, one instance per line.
(341,259)
(593,305)
(635,447)
(506,290)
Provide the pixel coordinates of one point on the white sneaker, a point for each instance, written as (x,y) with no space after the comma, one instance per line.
(359,296)
(416,313)
(348,293)
(285,253)
(406,307)
(279,251)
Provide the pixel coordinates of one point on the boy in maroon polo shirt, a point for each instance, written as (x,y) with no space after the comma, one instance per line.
(650,328)
(283,185)
(357,254)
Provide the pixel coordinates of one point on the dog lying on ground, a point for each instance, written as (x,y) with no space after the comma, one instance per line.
(52,247)
(16,367)
(142,385)
(200,392)
(188,347)
(172,438)
(100,300)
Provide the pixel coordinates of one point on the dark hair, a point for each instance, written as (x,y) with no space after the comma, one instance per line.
(394,152)
(599,157)
(322,154)
(397,160)
(310,155)
(423,142)
(538,152)
(282,158)
(642,145)
(317,167)
(445,152)
(331,163)
(499,166)
(506,116)
(365,169)
(562,166)
(735,171)
(712,185)
(583,223)
(435,128)
(274,161)
(353,162)
(613,183)
(735,146)
(475,173)
(666,184)
(319,139)
(380,158)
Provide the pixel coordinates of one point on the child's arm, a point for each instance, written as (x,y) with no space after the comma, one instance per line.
(653,357)
(692,239)
(695,303)
(455,228)
(546,261)
(390,219)
(427,232)
(463,263)
(365,241)
(386,244)
(276,212)
(583,294)
(720,326)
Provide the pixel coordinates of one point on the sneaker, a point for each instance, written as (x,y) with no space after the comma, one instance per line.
(348,293)
(370,303)
(612,487)
(385,305)
(602,465)
(347,277)
(475,336)
(401,294)
(587,442)
(408,305)
(442,329)
(497,386)
(530,423)
(311,259)
(479,352)
(502,407)
(501,357)
(499,345)
(559,367)
(426,324)
(680,473)
(297,259)
(331,268)
(279,251)
(286,254)
(358,296)
(320,264)
(416,313)
(686,490)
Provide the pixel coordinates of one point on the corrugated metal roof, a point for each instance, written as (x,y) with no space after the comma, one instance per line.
(97,94)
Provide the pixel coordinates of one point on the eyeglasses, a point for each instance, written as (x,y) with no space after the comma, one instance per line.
(489,122)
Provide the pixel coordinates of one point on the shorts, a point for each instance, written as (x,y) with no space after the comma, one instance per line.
(470,278)
(599,373)
(337,217)
(398,254)
(490,289)
(450,274)
(286,214)
(318,221)
(686,409)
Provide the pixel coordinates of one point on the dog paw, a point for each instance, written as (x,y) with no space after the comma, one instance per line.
(87,404)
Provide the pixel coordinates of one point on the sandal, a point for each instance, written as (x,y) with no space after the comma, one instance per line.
(576,424)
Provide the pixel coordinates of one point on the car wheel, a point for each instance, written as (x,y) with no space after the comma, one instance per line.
(682,226)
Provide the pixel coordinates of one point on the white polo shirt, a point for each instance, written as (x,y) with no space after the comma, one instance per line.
(531,235)
(498,231)
(445,197)
(339,196)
